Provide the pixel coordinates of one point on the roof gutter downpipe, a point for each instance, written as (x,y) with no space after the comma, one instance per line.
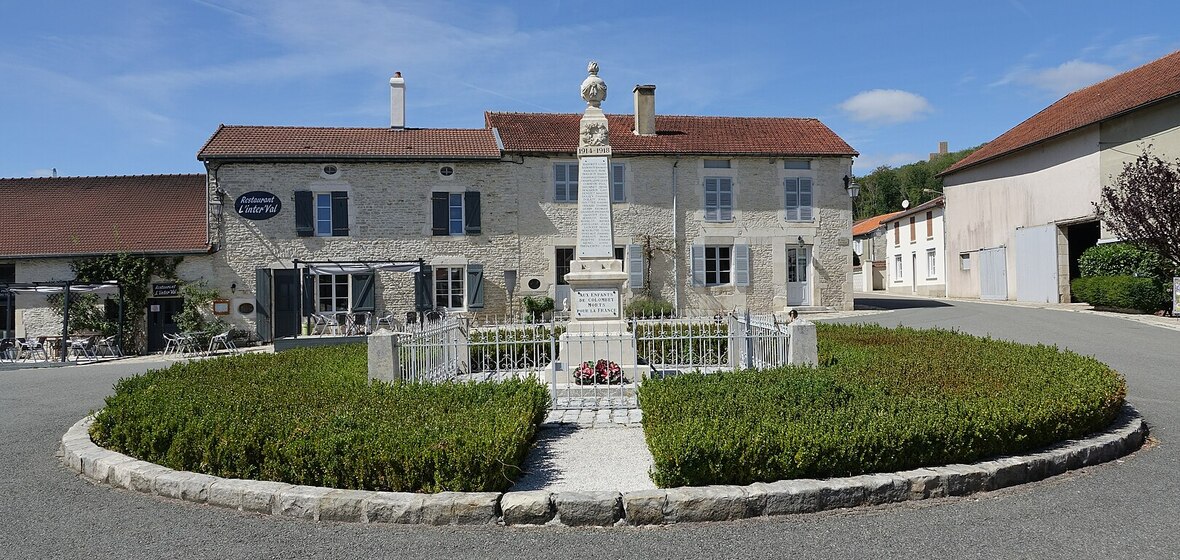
(675,240)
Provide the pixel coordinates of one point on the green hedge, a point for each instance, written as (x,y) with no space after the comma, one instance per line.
(887,400)
(310,416)
(1126,292)
(1123,259)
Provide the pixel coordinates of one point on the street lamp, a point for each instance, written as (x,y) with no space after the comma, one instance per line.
(217,203)
(852,188)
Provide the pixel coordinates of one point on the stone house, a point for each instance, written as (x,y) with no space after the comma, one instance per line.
(1020,210)
(56,220)
(869,245)
(710,213)
(915,259)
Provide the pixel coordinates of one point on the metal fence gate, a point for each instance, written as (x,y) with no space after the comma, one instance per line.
(460,349)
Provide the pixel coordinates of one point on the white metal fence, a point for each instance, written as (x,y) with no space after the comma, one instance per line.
(604,372)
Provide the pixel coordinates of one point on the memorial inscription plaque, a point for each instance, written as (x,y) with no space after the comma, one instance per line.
(596,304)
(595,238)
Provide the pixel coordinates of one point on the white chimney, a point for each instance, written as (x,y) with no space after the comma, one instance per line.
(397,101)
(645,110)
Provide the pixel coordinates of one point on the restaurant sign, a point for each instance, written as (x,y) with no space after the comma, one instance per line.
(258,205)
(165,289)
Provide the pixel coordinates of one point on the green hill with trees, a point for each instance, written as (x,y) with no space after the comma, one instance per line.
(883,190)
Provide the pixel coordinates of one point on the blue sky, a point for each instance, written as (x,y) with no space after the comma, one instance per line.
(126,87)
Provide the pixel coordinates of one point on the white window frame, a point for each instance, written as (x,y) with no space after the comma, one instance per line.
(323,213)
(562,188)
(720,213)
(618,182)
(931,264)
(448,287)
(798,211)
(897,272)
(330,303)
(721,276)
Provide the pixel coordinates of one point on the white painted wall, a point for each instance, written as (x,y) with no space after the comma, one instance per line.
(913,252)
(1054,181)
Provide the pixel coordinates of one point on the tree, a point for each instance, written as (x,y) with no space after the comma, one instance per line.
(1142,205)
(883,190)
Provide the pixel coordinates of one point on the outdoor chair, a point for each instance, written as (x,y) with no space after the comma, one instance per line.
(390,320)
(322,323)
(111,345)
(30,347)
(171,343)
(82,347)
(224,340)
(357,323)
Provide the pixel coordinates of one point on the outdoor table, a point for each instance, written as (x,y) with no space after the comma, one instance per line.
(52,345)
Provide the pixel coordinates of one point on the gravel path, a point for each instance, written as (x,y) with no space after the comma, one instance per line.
(570,457)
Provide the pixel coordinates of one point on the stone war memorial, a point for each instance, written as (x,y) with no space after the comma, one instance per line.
(596,329)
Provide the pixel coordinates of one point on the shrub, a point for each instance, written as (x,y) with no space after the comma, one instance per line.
(1122,259)
(649,307)
(890,399)
(1126,292)
(536,307)
(310,416)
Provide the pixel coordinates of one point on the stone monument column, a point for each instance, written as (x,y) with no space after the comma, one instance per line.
(596,329)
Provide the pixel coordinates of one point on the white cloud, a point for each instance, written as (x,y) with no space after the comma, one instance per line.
(886,106)
(1059,80)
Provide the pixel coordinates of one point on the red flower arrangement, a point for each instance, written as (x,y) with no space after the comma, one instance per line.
(604,372)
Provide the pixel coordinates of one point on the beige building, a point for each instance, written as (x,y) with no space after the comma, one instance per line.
(1020,210)
(710,213)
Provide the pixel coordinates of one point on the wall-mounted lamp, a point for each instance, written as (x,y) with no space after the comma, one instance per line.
(852,188)
(233,288)
(800,240)
(217,203)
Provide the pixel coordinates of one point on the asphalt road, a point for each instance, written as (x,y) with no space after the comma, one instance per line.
(1125,509)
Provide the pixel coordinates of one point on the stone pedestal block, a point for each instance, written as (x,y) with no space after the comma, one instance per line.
(383,361)
(803,348)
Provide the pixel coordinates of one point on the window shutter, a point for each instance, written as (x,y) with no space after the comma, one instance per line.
(339,213)
(304,215)
(471,211)
(439,210)
(711,201)
(618,178)
(363,295)
(262,303)
(741,265)
(791,198)
(474,286)
(424,289)
(698,265)
(635,266)
(309,290)
(725,200)
(805,199)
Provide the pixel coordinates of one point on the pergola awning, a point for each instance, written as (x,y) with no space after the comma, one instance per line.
(58,288)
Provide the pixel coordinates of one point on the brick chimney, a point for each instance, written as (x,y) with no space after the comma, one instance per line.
(397,101)
(645,110)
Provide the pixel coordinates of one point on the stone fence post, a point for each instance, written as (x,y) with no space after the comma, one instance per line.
(383,360)
(803,348)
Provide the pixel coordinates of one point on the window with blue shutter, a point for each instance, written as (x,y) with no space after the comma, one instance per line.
(339,213)
(474,286)
(455,213)
(304,214)
(440,213)
(471,213)
(618,183)
(698,265)
(718,199)
(565,182)
(798,199)
(741,265)
(635,266)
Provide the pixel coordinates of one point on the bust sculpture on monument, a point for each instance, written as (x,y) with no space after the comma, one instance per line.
(593,88)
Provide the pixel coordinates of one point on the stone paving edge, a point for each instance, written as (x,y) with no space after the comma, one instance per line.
(643,507)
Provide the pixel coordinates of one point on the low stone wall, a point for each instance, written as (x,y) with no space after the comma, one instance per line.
(646,507)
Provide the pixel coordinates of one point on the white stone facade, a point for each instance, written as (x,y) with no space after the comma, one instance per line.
(915,261)
(522,226)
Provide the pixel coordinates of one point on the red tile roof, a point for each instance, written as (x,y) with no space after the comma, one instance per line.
(304,142)
(558,133)
(867,225)
(75,216)
(1130,90)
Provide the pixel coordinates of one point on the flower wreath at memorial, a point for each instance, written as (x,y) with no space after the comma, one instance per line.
(601,372)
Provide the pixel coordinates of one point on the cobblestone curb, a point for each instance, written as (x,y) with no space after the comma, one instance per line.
(646,507)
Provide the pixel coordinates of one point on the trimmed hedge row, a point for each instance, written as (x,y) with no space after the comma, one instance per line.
(310,416)
(1126,292)
(885,400)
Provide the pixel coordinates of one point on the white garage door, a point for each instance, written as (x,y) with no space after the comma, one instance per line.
(1036,264)
(993,273)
